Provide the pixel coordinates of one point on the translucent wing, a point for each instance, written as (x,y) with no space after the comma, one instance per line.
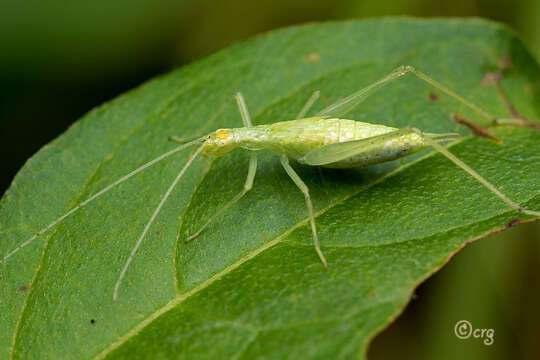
(345,105)
(335,152)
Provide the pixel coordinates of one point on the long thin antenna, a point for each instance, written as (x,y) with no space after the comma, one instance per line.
(96,195)
(152,218)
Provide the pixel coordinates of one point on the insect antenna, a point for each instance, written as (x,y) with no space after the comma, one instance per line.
(153,217)
(98,194)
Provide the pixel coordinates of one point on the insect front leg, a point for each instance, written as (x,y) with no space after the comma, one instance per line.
(247,186)
(251,171)
(304,189)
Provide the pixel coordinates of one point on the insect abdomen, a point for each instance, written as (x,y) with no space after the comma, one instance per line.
(383,148)
(298,137)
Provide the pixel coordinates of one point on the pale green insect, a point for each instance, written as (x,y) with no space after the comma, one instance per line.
(324,140)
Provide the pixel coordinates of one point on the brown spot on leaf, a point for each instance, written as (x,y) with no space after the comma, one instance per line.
(313,57)
(372,294)
(23,288)
(491,78)
(433,96)
(504,63)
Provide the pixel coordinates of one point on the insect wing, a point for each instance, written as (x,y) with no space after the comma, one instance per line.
(331,153)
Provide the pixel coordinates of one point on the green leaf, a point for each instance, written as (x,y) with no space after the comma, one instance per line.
(251,285)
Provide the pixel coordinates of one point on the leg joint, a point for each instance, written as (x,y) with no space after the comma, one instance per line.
(403,69)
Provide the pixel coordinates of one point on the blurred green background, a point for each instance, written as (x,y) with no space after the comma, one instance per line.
(59,59)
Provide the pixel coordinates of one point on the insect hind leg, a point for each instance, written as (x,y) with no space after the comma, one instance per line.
(314,97)
(475,175)
(346,104)
(493,120)
(246,119)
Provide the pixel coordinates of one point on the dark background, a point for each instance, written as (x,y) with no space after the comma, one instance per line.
(59,59)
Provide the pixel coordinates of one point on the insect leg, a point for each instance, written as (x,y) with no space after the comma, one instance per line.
(247,186)
(251,171)
(477,176)
(95,196)
(450,93)
(346,104)
(308,104)
(152,218)
(494,120)
(304,189)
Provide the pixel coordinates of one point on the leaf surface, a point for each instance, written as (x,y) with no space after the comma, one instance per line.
(252,286)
